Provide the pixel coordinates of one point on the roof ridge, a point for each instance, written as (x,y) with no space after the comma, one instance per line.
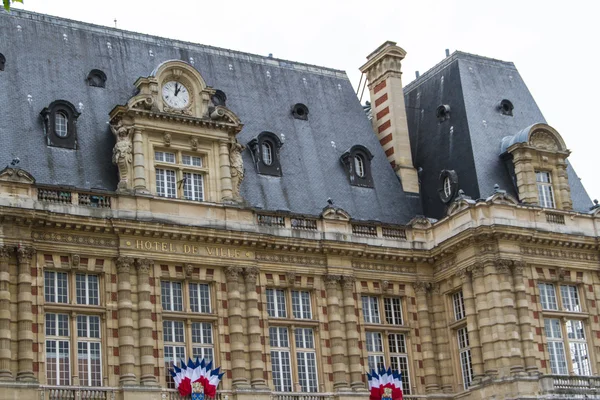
(66,22)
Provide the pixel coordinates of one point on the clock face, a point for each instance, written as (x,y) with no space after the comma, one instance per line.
(175,94)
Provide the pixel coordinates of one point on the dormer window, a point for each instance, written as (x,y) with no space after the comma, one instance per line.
(60,122)
(506,107)
(300,111)
(545,192)
(96,78)
(448,185)
(265,153)
(443,112)
(357,162)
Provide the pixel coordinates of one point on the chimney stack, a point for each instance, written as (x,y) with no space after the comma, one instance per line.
(417,74)
(389,111)
(447,52)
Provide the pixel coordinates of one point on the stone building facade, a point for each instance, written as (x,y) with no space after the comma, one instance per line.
(102,288)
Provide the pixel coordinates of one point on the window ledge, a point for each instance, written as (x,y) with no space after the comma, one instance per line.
(77,308)
(294,321)
(565,314)
(458,324)
(387,327)
(179,315)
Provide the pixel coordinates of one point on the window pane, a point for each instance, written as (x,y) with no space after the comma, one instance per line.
(60,124)
(400,363)
(558,360)
(570,298)
(544,185)
(459,306)
(267,153)
(393,311)
(548,296)
(276,303)
(307,371)
(191,160)
(374,343)
(552,327)
(359,165)
(87,289)
(193,188)
(466,367)
(171,296)
(580,358)
(301,305)
(370,309)
(199,298)
(397,343)
(165,183)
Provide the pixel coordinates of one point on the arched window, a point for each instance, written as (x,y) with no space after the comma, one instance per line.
(359,165)
(357,161)
(267,153)
(96,78)
(61,122)
(447,187)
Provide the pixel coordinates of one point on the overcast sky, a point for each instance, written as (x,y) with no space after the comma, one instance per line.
(553,43)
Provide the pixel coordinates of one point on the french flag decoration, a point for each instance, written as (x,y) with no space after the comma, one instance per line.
(385,385)
(196,379)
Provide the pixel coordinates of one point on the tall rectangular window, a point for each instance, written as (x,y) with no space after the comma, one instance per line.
(375,354)
(301,304)
(87,289)
(556,347)
(459,306)
(544,186)
(570,298)
(88,350)
(199,298)
(174,350)
(193,187)
(280,359)
(56,287)
(58,349)
(393,311)
(166,183)
(370,310)
(548,296)
(580,358)
(202,341)
(399,358)
(306,359)
(276,303)
(171,296)
(464,352)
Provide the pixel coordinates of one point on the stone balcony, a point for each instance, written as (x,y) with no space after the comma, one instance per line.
(565,387)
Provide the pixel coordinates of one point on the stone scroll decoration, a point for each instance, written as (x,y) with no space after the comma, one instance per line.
(237,168)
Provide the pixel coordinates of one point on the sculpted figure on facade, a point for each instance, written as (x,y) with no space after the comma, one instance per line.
(237,168)
(122,152)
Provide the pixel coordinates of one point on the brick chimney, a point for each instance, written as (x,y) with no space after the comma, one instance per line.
(389,112)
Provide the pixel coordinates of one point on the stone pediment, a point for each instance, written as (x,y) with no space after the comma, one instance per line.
(18,175)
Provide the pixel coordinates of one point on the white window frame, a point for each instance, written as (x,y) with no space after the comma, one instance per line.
(165,156)
(370,308)
(84,289)
(203,345)
(200,301)
(375,350)
(193,186)
(276,303)
(169,297)
(306,360)
(280,354)
(52,292)
(55,337)
(168,183)
(548,297)
(464,353)
(398,349)
(61,124)
(359,165)
(458,302)
(176,349)
(556,346)
(192,161)
(393,310)
(545,190)
(267,153)
(91,338)
(569,296)
(301,308)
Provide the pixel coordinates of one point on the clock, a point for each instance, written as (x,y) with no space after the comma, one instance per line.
(175,94)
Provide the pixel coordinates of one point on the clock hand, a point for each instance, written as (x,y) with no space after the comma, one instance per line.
(177,88)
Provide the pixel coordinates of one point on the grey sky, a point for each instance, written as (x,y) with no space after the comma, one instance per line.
(552,43)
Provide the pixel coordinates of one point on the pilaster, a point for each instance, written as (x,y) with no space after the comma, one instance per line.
(493,281)
(125,313)
(472,325)
(24,315)
(145,323)
(428,351)
(139,167)
(485,321)
(236,329)
(524,321)
(352,336)
(224,164)
(5,316)
(257,366)
(440,326)
(511,329)
(338,348)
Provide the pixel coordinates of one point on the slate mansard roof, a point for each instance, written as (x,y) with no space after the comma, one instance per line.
(49,58)
(470,142)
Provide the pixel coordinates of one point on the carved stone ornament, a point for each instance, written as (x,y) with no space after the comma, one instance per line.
(189,270)
(16,175)
(291,278)
(24,254)
(143,265)
(122,153)
(476,270)
(75,260)
(233,274)
(518,267)
(503,266)
(348,282)
(251,274)
(124,264)
(5,252)
(237,168)
(167,139)
(421,287)
(144,103)
(332,281)
(387,286)
(463,274)
(562,274)
(194,143)
(543,140)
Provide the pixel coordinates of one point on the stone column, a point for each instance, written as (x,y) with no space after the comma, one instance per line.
(493,282)
(484,321)
(472,324)
(139,168)
(145,323)
(226,188)
(126,340)
(236,329)
(336,336)
(509,312)
(352,335)
(427,347)
(24,315)
(5,316)
(442,349)
(524,321)
(257,366)
(563,186)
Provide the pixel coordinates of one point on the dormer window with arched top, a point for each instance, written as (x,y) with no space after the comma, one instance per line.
(357,162)
(96,78)
(265,152)
(60,122)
